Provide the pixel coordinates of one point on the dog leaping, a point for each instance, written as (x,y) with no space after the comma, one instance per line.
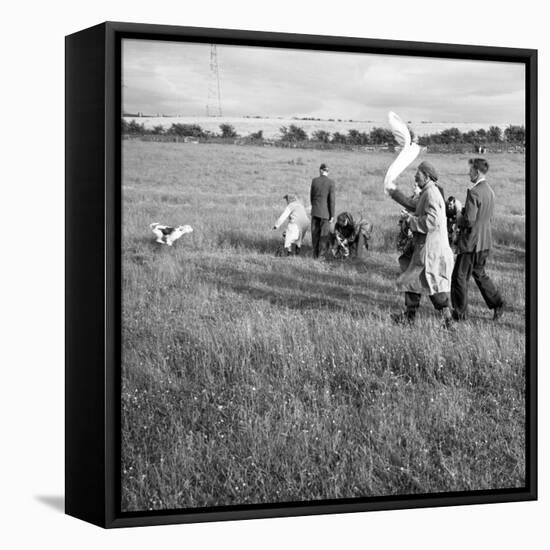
(169,235)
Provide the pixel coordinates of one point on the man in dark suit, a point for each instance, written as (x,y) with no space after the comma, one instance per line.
(474,244)
(322,198)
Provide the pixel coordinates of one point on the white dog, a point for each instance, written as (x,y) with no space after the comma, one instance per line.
(168,235)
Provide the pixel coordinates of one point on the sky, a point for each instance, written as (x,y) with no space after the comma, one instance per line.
(174,78)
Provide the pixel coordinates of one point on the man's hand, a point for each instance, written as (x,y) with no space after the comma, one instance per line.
(331,220)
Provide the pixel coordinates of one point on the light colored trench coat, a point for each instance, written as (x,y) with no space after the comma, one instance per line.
(430,267)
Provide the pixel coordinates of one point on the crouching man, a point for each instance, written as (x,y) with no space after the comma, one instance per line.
(351,237)
(429,267)
(298,223)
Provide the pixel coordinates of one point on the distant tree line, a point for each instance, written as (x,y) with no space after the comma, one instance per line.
(512,134)
(294,134)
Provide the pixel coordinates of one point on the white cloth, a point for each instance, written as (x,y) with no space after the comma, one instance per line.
(407,155)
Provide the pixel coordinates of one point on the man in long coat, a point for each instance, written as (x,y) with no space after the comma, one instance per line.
(322,196)
(474,244)
(409,203)
(428,269)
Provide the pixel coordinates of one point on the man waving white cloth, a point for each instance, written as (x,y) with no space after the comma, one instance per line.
(428,269)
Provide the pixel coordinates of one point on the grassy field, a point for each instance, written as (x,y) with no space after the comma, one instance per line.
(249,378)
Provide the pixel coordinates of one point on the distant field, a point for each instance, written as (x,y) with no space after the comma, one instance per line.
(271,126)
(249,378)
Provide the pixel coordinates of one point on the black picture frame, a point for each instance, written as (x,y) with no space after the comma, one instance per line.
(93,270)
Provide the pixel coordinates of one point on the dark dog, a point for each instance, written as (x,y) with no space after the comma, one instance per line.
(453,210)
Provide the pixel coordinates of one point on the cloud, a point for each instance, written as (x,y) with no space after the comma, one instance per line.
(173,78)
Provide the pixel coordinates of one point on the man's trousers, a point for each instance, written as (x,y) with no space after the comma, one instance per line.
(320,236)
(412,302)
(466,265)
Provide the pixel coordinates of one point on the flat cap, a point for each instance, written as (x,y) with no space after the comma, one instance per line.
(428,170)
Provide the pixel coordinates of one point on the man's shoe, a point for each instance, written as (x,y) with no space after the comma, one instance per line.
(498,312)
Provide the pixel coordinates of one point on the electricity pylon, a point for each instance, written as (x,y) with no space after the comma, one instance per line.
(214,103)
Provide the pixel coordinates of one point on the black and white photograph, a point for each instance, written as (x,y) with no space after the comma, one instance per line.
(282,280)
(323,275)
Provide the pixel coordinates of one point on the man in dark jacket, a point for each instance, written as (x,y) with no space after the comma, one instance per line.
(474,244)
(322,198)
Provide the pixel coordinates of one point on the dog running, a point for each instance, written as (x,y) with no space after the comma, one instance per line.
(169,235)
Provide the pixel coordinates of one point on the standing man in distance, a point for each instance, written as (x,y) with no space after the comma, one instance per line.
(474,244)
(322,196)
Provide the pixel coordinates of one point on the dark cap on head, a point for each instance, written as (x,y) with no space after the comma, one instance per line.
(428,170)
(323,167)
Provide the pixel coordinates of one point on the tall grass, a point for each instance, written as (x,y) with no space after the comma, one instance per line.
(248,378)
